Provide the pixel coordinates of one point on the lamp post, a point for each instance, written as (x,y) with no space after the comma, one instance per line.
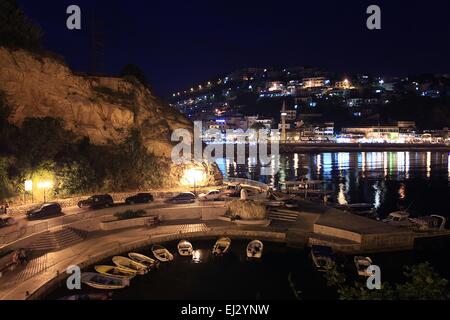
(194,176)
(29,189)
(45,185)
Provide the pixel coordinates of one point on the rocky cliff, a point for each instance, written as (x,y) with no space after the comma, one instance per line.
(101,108)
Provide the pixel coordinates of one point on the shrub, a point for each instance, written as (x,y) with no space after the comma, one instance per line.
(130,214)
(247,210)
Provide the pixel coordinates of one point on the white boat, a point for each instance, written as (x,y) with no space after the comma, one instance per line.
(104,282)
(221,246)
(398,218)
(433,222)
(161,253)
(115,271)
(323,258)
(142,259)
(185,248)
(255,249)
(362,263)
(123,262)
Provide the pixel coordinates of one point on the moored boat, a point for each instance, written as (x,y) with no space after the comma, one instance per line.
(255,249)
(123,262)
(115,271)
(185,248)
(104,282)
(221,246)
(362,263)
(88,296)
(143,259)
(323,258)
(162,254)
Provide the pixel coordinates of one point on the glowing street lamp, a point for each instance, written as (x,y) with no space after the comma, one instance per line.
(194,176)
(44,185)
(29,188)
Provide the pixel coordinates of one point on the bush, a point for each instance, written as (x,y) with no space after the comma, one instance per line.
(247,210)
(130,214)
(16,30)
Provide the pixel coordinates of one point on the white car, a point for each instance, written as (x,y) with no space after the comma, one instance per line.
(211,195)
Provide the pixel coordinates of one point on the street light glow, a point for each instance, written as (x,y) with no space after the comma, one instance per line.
(28,186)
(194,176)
(44,185)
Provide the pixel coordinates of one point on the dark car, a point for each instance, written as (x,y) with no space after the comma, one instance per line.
(97,202)
(45,210)
(4,222)
(185,197)
(139,198)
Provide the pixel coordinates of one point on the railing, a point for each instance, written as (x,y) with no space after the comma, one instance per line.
(248,182)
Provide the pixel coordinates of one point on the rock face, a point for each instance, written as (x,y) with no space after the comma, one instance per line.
(247,209)
(101,108)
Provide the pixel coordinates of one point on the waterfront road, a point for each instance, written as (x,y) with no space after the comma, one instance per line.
(22,221)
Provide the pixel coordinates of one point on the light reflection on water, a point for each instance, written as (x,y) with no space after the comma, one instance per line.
(389,180)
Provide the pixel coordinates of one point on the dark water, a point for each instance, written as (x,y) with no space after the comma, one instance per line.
(417,181)
(234,277)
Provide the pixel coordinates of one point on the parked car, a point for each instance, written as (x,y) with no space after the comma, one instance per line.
(6,221)
(45,210)
(185,197)
(97,202)
(233,191)
(139,198)
(213,195)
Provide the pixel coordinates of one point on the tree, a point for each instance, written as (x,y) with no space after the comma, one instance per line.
(16,30)
(6,190)
(422,283)
(41,139)
(134,71)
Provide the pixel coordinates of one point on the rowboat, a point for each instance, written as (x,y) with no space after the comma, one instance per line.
(123,262)
(147,261)
(88,296)
(221,246)
(255,249)
(185,248)
(104,282)
(323,258)
(117,272)
(362,263)
(161,253)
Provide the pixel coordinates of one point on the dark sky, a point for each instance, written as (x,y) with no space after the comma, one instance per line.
(180,43)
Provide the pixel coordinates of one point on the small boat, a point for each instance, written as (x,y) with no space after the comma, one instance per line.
(362,263)
(398,218)
(88,296)
(123,262)
(185,248)
(117,272)
(147,261)
(221,246)
(104,282)
(161,253)
(433,222)
(323,258)
(255,249)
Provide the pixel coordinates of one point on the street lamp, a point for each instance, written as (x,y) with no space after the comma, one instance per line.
(193,177)
(29,188)
(44,185)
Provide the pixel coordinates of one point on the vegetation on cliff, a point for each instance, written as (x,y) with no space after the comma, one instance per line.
(42,149)
(16,30)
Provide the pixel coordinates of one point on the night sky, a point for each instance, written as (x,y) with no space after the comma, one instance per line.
(180,43)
